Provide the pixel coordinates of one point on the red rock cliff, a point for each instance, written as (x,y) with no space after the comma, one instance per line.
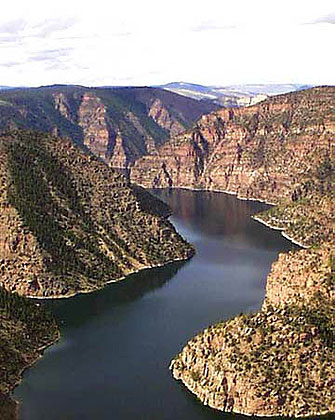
(259,152)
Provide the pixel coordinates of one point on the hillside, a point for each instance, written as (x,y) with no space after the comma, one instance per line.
(70,224)
(278,361)
(116,124)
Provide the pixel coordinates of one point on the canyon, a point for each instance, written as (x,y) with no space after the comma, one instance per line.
(277,361)
(281,151)
(71,224)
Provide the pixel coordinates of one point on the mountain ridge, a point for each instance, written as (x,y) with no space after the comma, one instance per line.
(65,220)
(118,125)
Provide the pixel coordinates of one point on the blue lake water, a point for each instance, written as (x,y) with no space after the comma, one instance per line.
(112,360)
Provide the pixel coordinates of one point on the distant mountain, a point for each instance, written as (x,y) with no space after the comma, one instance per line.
(117,124)
(233,95)
(268,89)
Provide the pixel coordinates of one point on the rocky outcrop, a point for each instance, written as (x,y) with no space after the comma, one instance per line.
(308,220)
(163,118)
(92,119)
(279,361)
(118,158)
(70,224)
(261,152)
(62,105)
(297,277)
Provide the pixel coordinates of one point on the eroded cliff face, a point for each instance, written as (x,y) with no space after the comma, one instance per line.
(261,152)
(63,106)
(105,139)
(297,277)
(163,118)
(279,361)
(114,132)
(92,119)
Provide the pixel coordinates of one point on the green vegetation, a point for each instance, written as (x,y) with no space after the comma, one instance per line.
(280,360)
(90,226)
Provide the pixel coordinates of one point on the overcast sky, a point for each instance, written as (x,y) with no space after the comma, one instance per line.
(127,42)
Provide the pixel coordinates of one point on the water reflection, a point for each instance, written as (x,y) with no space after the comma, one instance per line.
(95,304)
(217,215)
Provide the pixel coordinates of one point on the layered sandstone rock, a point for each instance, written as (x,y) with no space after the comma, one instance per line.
(163,118)
(92,119)
(145,117)
(279,361)
(118,158)
(261,152)
(63,106)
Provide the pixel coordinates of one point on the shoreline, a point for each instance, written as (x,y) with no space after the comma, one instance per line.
(85,292)
(40,351)
(258,219)
(190,387)
(282,231)
(70,295)
(259,200)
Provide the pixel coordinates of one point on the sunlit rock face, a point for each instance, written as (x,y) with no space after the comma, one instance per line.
(278,361)
(261,152)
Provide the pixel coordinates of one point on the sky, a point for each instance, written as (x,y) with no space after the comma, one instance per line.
(149,42)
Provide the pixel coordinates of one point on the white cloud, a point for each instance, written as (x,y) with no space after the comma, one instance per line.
(131,42)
